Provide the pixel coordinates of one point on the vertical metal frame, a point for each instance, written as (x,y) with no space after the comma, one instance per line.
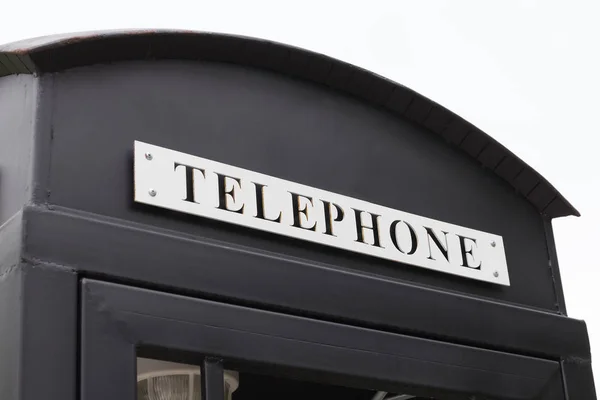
(39,333)
(117,320)
(212,379)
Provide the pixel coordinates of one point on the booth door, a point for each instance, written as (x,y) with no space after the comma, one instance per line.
(143,344)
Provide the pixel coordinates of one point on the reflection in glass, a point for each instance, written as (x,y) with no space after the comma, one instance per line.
(162,380)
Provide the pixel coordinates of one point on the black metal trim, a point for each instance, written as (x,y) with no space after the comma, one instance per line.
(48,365)
(578,379)
(119,319)
(44,136)
(276,282)
(61,52)
(212,379)
(553,266)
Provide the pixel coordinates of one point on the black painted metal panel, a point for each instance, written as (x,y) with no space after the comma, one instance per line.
(554,389)
(117,318)
(10,333)
(17,102)
(102,247)
(44,136)
(11,243)
(38,332)
(286,128)
(578,379)
(49,337)
(11,275)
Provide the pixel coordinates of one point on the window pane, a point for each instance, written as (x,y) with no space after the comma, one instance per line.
(254,386)
(163,380)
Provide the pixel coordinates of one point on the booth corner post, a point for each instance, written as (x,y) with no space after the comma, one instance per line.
(262,212)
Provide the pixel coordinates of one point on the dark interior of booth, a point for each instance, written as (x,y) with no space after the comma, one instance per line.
(257,386)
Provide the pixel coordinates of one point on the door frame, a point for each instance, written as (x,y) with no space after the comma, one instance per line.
(119,323)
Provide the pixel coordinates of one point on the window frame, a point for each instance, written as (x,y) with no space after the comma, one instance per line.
(118,322)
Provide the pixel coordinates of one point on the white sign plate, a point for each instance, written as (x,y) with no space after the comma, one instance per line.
(194,185)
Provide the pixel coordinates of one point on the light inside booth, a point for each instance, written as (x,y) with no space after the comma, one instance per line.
(163,380)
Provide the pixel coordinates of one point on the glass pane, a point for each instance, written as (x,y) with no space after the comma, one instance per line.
(170,387)
(197,384)
(255,386)
(163,380)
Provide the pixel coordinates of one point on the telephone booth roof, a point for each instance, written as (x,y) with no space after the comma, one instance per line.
(65,51)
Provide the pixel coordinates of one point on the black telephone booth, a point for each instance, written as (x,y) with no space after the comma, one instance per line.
(188,215)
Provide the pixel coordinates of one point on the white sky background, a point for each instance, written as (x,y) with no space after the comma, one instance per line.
(525,72)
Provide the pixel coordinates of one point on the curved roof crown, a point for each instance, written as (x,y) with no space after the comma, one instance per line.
(61,52)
